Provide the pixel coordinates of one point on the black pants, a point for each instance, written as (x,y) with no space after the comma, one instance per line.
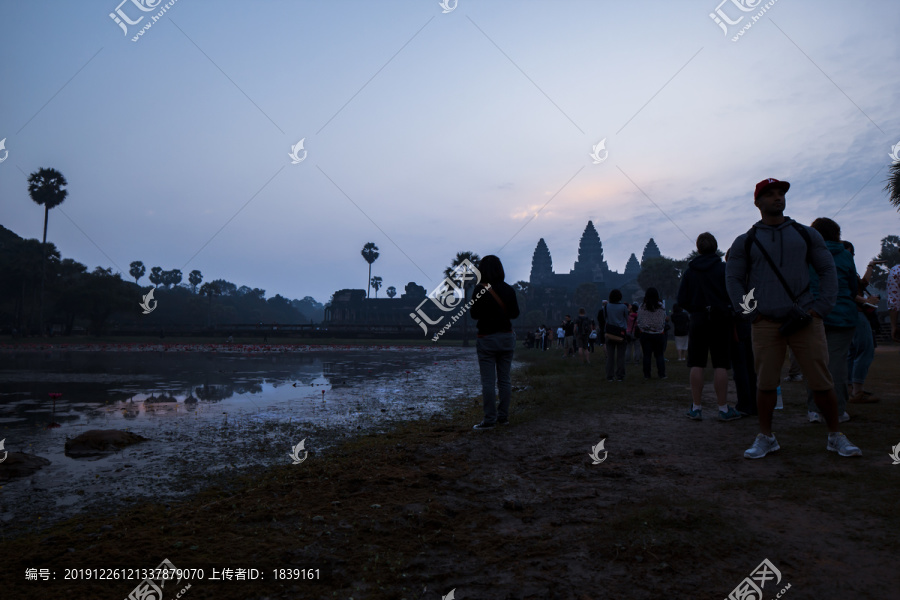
(744,369)
(654,343)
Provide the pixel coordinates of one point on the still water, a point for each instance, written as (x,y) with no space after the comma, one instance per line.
(207,414)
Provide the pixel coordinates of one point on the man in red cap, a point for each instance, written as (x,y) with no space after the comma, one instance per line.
(767,276)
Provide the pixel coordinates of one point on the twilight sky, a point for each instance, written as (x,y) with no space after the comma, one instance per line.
(429,133)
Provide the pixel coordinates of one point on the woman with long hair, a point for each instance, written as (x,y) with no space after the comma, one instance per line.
(494,305)
(651,320)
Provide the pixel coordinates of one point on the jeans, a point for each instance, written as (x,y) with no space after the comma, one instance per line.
(862,350)
(838,339)
(633,349)
(495,354)
(615,359)
(654,343)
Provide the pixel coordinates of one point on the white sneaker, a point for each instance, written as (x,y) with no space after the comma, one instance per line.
(844,418)
(814,417)
(763,445)
(838,442)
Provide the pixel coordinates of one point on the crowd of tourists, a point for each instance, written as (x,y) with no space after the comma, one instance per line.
(781,286)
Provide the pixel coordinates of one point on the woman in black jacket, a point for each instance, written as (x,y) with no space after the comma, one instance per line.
(494,306)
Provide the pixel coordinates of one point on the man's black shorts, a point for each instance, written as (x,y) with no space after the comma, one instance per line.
(710,335)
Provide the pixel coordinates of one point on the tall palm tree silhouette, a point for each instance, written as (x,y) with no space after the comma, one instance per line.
(47,188)
(370,253)
(453,272)
(893,185)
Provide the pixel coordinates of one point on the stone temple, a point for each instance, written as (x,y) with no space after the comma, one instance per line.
(554,294)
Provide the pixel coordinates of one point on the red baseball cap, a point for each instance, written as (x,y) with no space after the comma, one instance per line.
(765,183)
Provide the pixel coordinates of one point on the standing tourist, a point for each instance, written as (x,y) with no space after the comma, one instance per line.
(615,315)
(703,294)
(840,323)
(767,274)
(652,321)
(681,322)
(496,339)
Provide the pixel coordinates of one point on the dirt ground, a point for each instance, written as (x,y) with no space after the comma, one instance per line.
(520,512)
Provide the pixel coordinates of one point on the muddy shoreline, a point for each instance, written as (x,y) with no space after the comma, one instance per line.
(521,512)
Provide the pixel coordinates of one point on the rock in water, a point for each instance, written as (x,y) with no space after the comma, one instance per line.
(19,464)
(100,441)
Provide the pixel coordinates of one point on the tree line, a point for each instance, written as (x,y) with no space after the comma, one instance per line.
(40,291)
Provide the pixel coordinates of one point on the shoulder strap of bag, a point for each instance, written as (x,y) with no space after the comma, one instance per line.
(751,236)
(497,298)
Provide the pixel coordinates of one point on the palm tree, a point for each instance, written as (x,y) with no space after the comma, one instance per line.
(462,278)
(172,278)
(376,284)
(210,289)
(137,270)
(370,253)
(156,276)
(45,186)
(391,292)
(195,277)
(893,185)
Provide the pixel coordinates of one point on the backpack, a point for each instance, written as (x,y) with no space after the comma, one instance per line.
(584,325)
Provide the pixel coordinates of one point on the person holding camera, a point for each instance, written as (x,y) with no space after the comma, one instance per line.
(767,277)
(862,349)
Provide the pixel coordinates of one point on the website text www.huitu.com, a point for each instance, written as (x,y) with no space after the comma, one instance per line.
(754,19)
(460,313)
(154,19)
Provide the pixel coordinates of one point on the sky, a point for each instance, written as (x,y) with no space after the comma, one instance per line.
(431,129)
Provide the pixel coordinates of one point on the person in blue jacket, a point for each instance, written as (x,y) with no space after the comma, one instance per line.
(840,323)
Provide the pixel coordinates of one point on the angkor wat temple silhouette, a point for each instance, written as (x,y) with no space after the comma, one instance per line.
(553,294)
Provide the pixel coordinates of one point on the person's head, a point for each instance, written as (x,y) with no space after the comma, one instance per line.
(830,230)
(769,197)
(677,308)
(706,243)
(615,296)
(581,312)
(491,270)
(651,299)
(568,318)
(849,248)
(634,308)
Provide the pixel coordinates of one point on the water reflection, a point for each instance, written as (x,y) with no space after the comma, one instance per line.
(204,414)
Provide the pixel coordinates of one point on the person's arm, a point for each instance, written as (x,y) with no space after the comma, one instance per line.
(736,271)
(893,289)
(512,304)
(867,277)
(683,291)
(823,263)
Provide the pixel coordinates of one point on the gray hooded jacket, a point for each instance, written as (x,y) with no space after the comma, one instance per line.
(788,251)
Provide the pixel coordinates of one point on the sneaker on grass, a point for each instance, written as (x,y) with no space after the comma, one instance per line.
(762,445)
(696,415)
(814,417)
(844,418)
(483,425)
(730,415)
(838,442)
